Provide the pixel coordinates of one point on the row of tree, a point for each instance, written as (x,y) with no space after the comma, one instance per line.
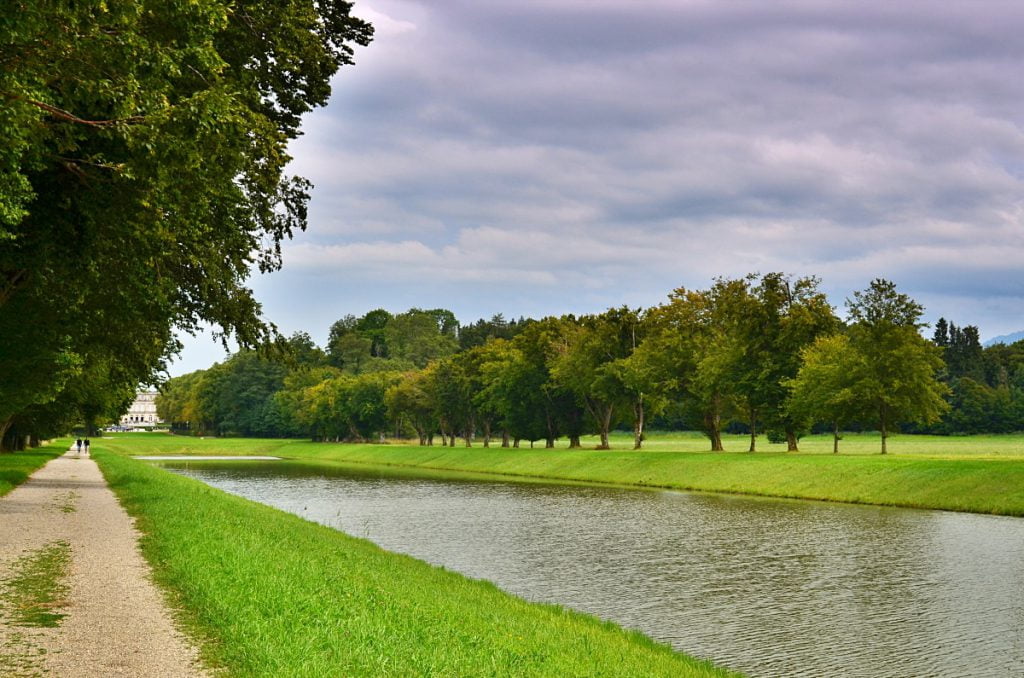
(759,354)
(142,178)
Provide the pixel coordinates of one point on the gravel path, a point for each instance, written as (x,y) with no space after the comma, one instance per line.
(117,623)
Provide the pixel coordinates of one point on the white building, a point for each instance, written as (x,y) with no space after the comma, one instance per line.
(142,413)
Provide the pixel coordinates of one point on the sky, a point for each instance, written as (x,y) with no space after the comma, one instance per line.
(541,157)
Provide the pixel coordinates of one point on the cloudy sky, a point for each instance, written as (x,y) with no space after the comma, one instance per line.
(536,157)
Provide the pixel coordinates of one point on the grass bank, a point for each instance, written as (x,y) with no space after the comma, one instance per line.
(981,475)
(16,467)
(276,595)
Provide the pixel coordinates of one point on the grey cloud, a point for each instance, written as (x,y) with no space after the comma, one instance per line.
(659,143)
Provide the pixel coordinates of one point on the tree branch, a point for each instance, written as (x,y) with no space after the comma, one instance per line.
(71,117)
(11,284)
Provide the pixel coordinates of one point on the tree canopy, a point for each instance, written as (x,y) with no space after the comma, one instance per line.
(768,345)
(142,177)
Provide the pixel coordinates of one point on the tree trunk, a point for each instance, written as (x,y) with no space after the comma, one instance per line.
(4,425)
(835,437)
(487,432)
(549,443)
(791,442)
(605,424)
(638,423)
(574,442)
(885,433)
(515,443)
(753,430)
(504,438)
(713,425)
(468,435)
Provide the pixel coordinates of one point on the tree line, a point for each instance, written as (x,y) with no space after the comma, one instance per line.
(759,355)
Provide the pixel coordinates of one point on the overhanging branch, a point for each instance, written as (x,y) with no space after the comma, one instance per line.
(71,117)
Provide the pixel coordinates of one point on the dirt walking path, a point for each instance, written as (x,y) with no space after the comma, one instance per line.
(116,622)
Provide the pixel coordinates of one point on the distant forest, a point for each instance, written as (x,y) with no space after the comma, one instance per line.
(755,355)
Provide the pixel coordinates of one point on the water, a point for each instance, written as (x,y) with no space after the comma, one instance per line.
(766,587)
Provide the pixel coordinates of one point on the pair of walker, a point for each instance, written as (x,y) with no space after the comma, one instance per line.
(78,446)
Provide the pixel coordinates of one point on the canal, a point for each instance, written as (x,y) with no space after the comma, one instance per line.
(767,587)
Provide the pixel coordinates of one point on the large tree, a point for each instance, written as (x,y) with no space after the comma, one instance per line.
(775,318)
(142,174)
(691,351)
(823,388)
(893,376)
(419,336)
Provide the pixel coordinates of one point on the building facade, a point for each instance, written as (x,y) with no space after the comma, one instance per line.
(142,413)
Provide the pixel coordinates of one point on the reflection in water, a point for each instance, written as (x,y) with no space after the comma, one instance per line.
(767,587)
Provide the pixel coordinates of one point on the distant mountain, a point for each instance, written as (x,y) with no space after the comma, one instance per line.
(1005,339)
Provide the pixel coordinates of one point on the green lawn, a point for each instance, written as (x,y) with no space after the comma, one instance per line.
(16,467)
(976,446)
(983,474)
(271,594)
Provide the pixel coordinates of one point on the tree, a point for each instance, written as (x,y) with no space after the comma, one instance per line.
(482,331)
(142,174)
(590,363)
(513,388)
(449,388)
(296,402)
(372,326)
(941,335)
(894,368)
(692,353)
(300,351)
(963,353)
(774,320)
(409,400)
(419,336)
(177,402)
(823,388)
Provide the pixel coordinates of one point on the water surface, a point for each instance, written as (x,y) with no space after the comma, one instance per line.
(767,587)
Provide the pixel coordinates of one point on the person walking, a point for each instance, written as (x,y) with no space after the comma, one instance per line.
(78,446)
(87,447)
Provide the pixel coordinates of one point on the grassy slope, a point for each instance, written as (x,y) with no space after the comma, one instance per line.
(16,467)
(983,474)
(277,595)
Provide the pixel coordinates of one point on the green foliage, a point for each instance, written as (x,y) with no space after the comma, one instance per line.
(380,341)
(691,351)
(421,336)
(142,177)
(893,368)
(483,331)
(513,388)
(762,352)
(787,316)
(592,362)
(409,401)
(16,467)
(823,389)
